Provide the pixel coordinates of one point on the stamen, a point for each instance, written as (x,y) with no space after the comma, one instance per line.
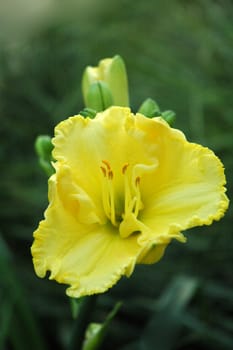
(137,181)
(110,175)
(112,202)
(124,168)
(132,203)
(132,195)
(105,162)
(103,171)
(105,193)
(108,192)
(127,189)
(138,196)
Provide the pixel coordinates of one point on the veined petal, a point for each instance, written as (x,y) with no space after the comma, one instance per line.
(84,143)
(188,187)
(75,200)
(89,258)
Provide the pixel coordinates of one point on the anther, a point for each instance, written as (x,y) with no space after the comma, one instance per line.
(137,180)
(110,175)
(103,171)
(125,168)
(105,162)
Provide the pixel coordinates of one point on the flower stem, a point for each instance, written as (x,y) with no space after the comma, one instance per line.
(81,322)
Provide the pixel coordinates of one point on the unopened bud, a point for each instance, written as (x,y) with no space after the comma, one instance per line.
(44,147)
(106,84)
(169,116)
(149,108)
(99,96)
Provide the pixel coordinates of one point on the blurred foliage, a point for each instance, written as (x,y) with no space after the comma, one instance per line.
(176,52)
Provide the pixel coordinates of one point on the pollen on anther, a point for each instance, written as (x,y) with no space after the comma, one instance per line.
(137,180)
(124,168)
(103,171)
(105,162)
(110,175)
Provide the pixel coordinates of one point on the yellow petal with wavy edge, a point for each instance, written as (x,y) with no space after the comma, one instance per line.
(188,187)
(151,254)
(113,136)
(124,187)
(89,257)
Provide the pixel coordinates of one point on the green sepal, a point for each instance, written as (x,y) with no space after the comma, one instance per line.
(99,96)
(44,147)
(149,108)
(96,331)
(169,116)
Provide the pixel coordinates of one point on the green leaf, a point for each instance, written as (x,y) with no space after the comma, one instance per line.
(5,319)
(215,335)
(164,326)
(23,321)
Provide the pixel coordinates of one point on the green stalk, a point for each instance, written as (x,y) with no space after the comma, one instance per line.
(81,322)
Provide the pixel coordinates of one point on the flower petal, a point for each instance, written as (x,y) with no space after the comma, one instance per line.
(188,187)
(151,254)
(153,182)
(113,136)
(90,258)
(76,201)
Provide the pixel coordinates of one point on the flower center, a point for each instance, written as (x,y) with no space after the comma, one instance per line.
(132,195)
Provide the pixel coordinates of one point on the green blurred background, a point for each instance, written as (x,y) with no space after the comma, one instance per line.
(177,52)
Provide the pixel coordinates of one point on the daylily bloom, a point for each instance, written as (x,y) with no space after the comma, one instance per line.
(124,187)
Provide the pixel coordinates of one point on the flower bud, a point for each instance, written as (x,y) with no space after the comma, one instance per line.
(44,147)
(111,75)
(99,96)
(169,116)
(149,108)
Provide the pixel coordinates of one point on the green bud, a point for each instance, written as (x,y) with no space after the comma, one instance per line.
(169,116)
(149,108)
(111,75)
(96,331)
(44,147)
(99,96)
(116,78)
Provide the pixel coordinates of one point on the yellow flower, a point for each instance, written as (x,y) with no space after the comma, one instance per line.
(125,186)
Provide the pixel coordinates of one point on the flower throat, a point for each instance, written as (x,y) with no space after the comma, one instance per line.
(132,195)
